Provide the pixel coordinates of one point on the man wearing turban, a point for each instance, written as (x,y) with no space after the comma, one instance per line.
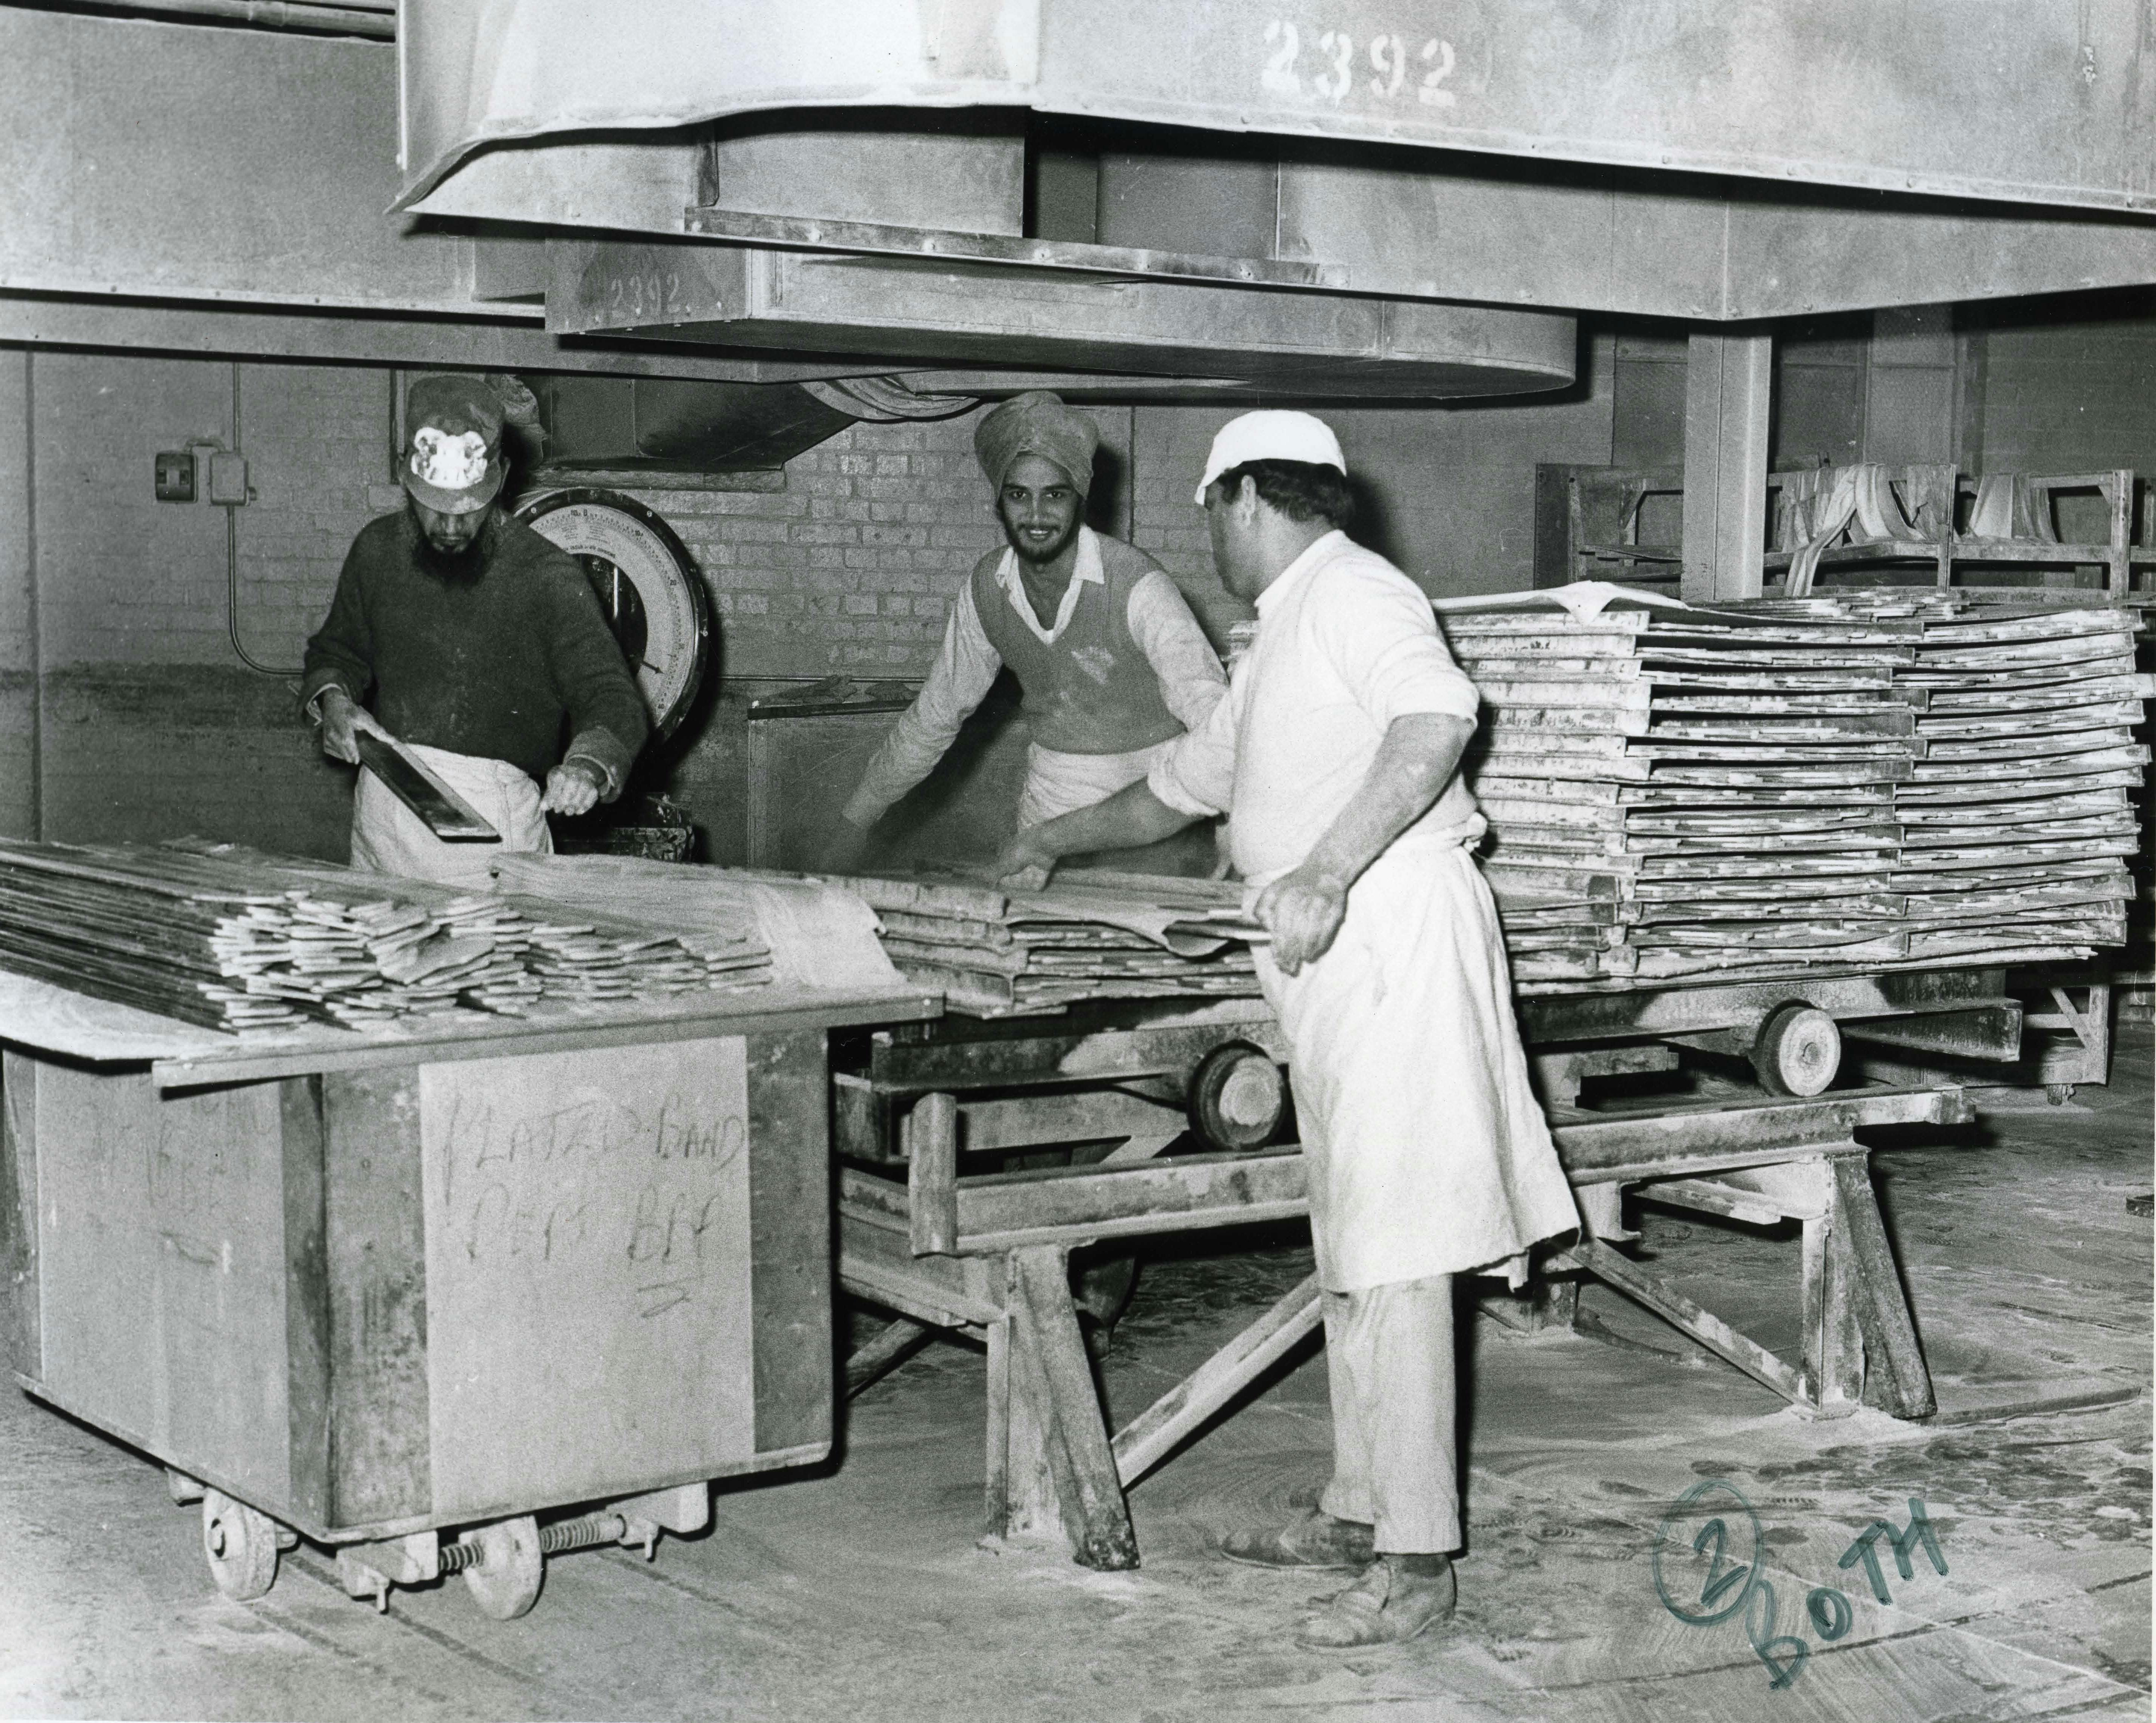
(1113,665)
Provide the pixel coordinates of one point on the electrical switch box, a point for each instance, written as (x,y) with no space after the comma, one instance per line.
(228,477)
(176,475)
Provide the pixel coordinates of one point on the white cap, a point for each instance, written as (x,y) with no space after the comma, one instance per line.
(1272,434)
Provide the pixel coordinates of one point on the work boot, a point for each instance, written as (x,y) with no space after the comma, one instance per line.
(1387,1606)
(1317,1540)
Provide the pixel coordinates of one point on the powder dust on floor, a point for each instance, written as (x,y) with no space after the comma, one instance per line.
(861,1591)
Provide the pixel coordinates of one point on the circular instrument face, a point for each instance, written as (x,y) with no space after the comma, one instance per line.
(648,585)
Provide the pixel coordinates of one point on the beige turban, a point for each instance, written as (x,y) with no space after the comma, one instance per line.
(1038,423)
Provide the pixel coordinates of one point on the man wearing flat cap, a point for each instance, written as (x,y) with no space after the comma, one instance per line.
(1113,666)
(466,635)
(1336,758)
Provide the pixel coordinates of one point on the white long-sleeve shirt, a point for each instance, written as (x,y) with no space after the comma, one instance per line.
(1345,644)
(1191,684)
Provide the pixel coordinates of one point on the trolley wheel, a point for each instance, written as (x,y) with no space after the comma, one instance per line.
(505,1581)
(240,1544)
(2058,1093)
(1237,1097)
(181,1487)
(1797,1051)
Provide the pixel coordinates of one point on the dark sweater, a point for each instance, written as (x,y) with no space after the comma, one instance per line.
(501,667)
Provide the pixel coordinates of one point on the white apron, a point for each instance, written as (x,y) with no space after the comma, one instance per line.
(1058,783)
(1427,1153)
(387,837)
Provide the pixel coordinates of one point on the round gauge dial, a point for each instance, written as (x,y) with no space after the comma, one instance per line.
(648,585)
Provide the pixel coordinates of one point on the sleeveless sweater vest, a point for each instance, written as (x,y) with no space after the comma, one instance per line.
(1090,690)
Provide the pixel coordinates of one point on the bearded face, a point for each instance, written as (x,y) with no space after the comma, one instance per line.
(1039,507)
(451,547)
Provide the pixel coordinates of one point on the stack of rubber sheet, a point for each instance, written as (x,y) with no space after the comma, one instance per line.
(1862,780)
(1090,936)
(230,939)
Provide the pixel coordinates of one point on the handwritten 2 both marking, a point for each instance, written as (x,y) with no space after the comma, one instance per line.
(1710,1588)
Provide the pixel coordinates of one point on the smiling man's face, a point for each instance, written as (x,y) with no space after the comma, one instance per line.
(1039,507)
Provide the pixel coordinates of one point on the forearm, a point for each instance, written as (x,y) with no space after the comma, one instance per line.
(907,755)
(1131,818)
(965,669)
(1414,763)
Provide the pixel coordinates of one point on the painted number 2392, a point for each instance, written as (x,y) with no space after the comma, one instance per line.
(1388,61)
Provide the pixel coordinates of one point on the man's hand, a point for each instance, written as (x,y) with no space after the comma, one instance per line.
(847,844)
(1302,912)
(343,721)
(572,787)
(1025,863)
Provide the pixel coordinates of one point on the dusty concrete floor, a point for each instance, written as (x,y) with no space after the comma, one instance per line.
(860,1593)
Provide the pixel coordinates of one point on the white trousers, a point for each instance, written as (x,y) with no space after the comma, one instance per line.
(1059,783)
(387,837)
(1388,1361)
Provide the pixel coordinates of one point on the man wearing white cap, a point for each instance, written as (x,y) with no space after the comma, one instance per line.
(480,644)
(1113,664)
(1335,757)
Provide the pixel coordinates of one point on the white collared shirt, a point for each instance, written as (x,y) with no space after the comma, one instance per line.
(1085,570)
(1345,644)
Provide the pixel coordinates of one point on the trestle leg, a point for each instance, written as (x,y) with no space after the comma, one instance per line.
(1058,1469)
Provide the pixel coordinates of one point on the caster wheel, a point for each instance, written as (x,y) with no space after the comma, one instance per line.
(1237,1097)
(2058,1093)
(241,1546)
(1797,1051)
(505,1582)
(181,1487)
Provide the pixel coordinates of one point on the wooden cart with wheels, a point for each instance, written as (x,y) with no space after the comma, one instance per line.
(448,1304)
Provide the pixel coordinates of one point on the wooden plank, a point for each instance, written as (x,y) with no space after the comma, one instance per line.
(1158,1431)
(1059,1382)
(772,1011)
(308,1384)
(790,1244)
(162,1247)
(1708,1130)
(1702,1325)
(1897,1380)
(589,1273)
(375,1260)
(1841,1375)
(1161,1195)
(876,1266)
(931,1179)
(21,1332)
(890,1347)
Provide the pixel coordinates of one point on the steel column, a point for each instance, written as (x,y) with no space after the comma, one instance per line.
(1727,388)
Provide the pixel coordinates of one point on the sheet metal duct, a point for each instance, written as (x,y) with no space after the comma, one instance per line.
(2045,101)
(1296,343)
(661,425)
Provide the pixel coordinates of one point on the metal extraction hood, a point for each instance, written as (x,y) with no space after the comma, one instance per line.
(1717,160)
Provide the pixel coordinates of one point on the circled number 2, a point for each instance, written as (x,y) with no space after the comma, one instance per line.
(1390,56)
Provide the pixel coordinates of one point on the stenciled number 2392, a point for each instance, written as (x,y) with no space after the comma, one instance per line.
(1387,59)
